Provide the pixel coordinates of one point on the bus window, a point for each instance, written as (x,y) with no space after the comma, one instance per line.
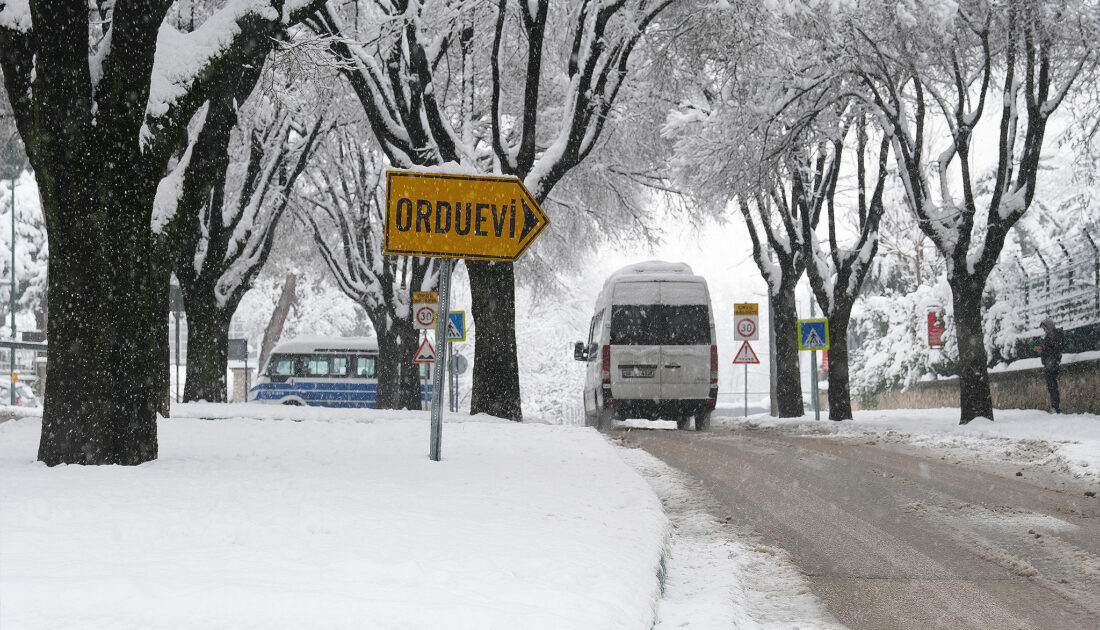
(281,365)
(319,365)
(425,371)
(339,366)
(364,366)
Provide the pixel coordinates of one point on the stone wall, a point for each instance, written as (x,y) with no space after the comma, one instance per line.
(1079,383)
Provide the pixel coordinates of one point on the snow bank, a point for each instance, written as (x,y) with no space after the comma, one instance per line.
(1035,363)
(1070,442)
(278,517)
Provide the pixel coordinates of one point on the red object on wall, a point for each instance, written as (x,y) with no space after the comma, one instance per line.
(824,360)
(936,328)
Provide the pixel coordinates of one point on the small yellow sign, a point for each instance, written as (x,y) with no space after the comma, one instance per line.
(478,217)
(15,377)
(749,308)
(425,297)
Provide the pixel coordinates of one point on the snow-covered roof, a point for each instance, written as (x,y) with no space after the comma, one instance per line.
(650,271)
(303,345)
(654,268)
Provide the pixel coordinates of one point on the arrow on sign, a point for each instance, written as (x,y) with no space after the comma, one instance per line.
(460,216)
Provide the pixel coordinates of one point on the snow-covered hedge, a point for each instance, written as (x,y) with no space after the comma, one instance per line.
(889,338)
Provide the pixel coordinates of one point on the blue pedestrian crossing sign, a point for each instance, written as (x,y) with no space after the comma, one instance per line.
(813,334)
(456,326)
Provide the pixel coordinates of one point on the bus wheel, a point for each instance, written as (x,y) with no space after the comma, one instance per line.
(293,403)
(682,423)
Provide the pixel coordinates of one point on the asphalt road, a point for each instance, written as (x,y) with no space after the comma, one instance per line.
(895,537)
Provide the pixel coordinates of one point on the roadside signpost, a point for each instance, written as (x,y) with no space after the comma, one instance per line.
(448,216)
(745,356)
(460,216)
(456,326)
(813,335)
(425,308)
(425,353)
(746,321)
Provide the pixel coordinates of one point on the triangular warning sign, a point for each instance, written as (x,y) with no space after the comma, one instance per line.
(745,355)
(813,340)
(426,353)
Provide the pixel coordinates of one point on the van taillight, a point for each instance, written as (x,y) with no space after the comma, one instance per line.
(714,365)
(605,370)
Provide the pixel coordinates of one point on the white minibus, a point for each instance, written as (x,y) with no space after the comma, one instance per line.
(651,351)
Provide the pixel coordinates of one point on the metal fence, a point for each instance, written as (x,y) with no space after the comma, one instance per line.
(1061,282)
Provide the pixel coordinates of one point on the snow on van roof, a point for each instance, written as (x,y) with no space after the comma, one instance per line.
(326,344)
(654,270)
(655,267)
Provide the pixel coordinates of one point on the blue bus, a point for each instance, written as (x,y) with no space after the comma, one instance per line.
(326,372)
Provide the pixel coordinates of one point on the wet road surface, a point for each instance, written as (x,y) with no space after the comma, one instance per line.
(898,537)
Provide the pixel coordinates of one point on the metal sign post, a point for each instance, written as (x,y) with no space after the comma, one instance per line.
(446,216)
(439,381)
(813,371)
(746,328)
(813,335)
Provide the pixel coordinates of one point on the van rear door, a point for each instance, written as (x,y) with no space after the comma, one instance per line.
(686,340)
(634,340)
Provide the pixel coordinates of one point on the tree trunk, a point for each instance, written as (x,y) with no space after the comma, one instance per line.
(788,381)
(975,399)
(496,364)
(108,315)
(207,349)
(398,376)
(274,328)
(840,398)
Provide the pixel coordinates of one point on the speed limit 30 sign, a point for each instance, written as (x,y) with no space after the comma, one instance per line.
(425,308)
(746,318)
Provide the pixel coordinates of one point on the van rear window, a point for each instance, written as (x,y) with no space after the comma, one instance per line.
(660,325)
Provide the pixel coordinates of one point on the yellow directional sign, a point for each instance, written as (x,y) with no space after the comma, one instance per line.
(460,216)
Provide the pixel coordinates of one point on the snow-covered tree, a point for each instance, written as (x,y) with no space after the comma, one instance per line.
(889,338)
(836,273)
(103,95)
(343,206)
(236,187)
(519,88)
(739,145)
(935,72)
(31,252)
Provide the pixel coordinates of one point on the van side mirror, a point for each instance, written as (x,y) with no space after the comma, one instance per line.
(580,351)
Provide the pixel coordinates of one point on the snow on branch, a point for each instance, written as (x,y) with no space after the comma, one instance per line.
(182,66)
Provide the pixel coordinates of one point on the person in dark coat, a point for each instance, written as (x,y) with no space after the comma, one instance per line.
(1050,353)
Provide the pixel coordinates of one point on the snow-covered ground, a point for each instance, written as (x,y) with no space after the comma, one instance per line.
(272,517)
(338,519)
(1064,444)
